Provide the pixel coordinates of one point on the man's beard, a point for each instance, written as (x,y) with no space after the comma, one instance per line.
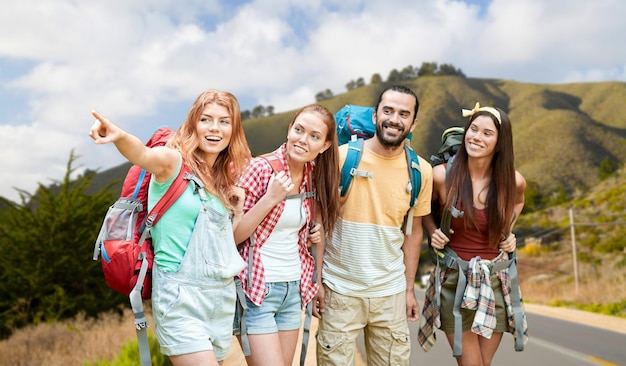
(387,142)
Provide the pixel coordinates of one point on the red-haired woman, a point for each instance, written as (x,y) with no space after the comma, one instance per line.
(195,261)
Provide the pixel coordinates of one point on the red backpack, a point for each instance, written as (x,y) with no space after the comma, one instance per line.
(124,242)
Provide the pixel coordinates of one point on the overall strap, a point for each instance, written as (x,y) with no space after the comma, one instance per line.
(242,310)
(141,322)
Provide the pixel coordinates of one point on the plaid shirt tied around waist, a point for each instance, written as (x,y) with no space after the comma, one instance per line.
(478,296)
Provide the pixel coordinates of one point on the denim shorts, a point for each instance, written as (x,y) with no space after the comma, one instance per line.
(191,318)
(281,309)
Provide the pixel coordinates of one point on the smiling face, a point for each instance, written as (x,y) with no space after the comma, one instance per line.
(394,118)
(214,130)
(307,137)
(481,137)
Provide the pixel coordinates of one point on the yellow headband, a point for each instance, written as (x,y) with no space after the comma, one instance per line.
(477,108)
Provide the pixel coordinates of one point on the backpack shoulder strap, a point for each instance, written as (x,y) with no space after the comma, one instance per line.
(414,186)
(415,173)
(140,179)
(274,161)
(171,195)
(448,213)
(349,167)
(277,166)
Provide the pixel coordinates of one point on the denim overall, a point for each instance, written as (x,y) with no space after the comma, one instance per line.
(194,307)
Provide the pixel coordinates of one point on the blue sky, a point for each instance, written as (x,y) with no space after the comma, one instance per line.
(142,63)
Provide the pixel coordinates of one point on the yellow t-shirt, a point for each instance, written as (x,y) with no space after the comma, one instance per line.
(364,257)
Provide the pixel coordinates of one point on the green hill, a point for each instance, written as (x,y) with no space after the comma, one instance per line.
(561,132)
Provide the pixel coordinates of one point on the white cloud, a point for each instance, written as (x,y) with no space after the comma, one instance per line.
(142,63)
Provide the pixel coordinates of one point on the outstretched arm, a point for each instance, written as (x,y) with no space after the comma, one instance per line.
(162,162)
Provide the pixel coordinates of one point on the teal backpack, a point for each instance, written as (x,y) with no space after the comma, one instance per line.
(354,125)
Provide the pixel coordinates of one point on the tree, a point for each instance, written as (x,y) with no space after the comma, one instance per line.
(46,267)
(394,76)
(408,73)
(258,111)
(376,79)
(350,85)
(449,69)
(606,168)
(245,115)
(323,95)
(427,68)
(360,82)
(270,110)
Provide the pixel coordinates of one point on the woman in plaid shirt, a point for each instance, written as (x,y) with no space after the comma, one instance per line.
(285,210)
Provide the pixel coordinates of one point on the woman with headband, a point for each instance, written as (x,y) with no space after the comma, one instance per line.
(483,195)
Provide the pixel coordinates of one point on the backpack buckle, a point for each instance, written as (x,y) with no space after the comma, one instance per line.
(361,173)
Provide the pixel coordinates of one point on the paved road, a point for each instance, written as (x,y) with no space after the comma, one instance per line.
(552,341)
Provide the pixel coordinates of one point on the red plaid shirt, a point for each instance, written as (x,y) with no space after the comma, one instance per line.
(254,182)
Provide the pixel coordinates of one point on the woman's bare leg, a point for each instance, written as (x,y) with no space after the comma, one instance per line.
(477,350)
(204,358)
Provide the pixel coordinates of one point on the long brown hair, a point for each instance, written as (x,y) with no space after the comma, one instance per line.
(231,162)
(501,195)
(326,171)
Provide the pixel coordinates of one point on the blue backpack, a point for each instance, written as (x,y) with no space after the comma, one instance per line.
(354,124)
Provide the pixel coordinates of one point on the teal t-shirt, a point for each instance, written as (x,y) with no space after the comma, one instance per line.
(171,235)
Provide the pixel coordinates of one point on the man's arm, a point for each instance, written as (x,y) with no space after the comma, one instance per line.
(411,249)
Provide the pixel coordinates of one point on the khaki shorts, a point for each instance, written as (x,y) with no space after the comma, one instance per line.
(382,319)
(448,289)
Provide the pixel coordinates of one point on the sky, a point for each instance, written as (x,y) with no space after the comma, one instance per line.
(142,63)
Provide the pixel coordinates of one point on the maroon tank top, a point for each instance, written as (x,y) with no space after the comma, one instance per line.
(468,242)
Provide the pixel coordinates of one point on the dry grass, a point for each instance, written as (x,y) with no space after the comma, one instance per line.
(72,343)
(545,278)
(68,343)
(549,279)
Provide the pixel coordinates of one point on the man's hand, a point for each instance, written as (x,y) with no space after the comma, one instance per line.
(412,307)
(319,307)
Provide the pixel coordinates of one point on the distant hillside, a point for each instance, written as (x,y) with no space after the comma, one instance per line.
(105,177)
(561,132)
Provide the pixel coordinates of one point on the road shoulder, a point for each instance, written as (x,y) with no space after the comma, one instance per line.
(613,323)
